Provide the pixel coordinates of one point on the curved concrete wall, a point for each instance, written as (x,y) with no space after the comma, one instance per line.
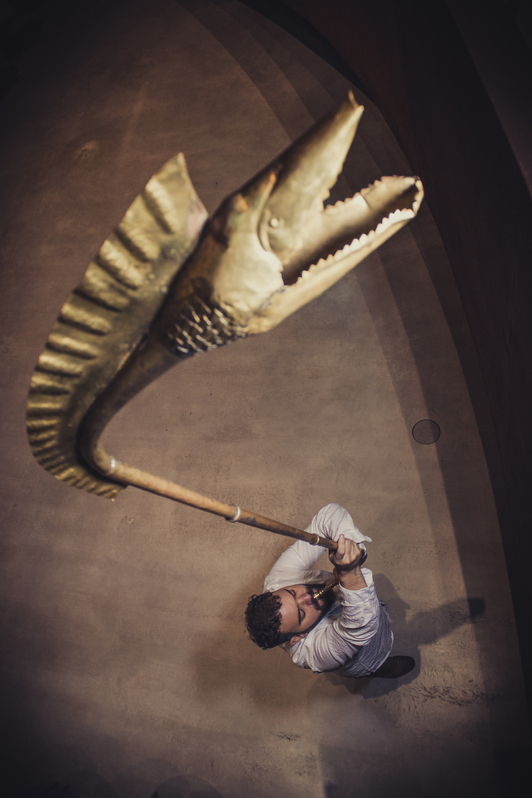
(453,81)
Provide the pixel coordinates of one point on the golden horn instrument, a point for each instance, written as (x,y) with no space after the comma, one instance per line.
(168,284)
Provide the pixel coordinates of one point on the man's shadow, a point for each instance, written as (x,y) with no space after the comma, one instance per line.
(425,627)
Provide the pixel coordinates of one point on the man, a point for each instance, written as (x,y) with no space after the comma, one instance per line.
(346,630)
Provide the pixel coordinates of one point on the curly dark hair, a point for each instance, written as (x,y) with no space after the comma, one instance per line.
(263,619)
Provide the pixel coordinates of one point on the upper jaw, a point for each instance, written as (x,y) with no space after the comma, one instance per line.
(306,172)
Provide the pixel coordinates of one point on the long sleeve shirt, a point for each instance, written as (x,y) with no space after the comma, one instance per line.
(356,615)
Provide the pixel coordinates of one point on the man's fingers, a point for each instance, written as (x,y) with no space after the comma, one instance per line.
(347,553)
(339,554)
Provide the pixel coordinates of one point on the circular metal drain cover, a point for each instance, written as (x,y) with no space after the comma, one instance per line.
(426,431)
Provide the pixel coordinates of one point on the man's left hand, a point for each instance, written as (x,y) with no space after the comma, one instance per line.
(347,556)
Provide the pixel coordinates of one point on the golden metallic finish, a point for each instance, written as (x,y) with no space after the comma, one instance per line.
(106,316)
(164,287)
(325,589)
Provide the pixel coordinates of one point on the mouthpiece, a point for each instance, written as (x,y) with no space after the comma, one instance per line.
(324,590)
(334,582)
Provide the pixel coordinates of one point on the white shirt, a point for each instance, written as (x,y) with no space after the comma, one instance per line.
(352,621)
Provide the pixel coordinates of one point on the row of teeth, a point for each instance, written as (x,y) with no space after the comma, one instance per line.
(358,199)
(357,243)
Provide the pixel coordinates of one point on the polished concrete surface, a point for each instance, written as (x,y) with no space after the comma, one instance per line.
(127,670)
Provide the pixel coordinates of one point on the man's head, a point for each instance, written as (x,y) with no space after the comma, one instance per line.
(286,615)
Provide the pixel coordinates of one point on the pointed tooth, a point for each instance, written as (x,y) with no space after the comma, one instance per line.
(304,275)
(358,200)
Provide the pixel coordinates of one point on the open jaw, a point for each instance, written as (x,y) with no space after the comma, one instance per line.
(296,226)
(365,220)
(331,242)
(273,246)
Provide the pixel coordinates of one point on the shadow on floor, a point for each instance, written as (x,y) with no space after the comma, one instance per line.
(238,663)
(64,771)
(425,627)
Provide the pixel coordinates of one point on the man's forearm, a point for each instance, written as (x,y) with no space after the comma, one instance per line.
(351,580)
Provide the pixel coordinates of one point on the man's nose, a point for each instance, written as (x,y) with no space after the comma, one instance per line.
(305,599)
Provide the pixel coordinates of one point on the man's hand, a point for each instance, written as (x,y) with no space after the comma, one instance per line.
(347,556)
(346,560)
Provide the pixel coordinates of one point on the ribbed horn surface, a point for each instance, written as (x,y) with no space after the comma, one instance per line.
(106,317)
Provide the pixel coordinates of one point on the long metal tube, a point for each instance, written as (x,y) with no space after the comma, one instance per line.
(133,476)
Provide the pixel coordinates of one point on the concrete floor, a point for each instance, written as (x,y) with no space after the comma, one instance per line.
(126,667)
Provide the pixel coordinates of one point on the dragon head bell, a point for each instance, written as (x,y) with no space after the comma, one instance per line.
(273,246)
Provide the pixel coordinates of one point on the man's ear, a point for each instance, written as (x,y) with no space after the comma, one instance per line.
(296,638)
